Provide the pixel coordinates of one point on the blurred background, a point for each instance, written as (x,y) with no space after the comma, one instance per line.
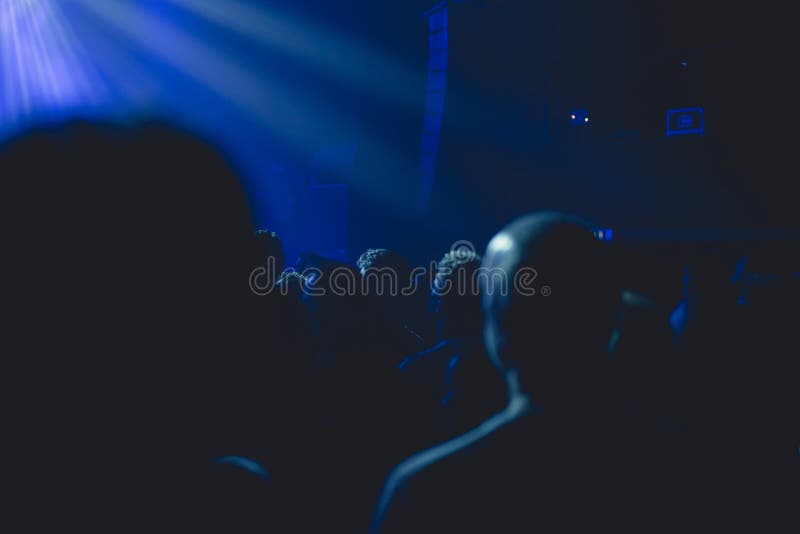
(413,124)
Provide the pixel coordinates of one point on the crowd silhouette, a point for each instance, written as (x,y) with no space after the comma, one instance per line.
(151,388)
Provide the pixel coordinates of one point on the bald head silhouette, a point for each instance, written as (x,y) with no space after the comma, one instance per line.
(550,325)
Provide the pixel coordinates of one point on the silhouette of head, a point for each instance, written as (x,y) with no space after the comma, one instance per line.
(127,259)
(386,274)
(376,263)
(552,320)
(381,258)
(133,248)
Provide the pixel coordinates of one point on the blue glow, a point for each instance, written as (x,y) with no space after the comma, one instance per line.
(246,464)
(434,103)
(46,70)
(264,84)
(604,234)
(320,48)
(579,117)
(685,121)
(139,50)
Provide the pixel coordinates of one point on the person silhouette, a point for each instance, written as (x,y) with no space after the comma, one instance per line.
(544,461)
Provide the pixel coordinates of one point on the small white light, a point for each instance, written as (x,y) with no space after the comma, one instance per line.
(586,119)
(572,116)
(501,243)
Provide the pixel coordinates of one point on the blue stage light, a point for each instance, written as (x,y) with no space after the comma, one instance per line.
(604,234)
(45,68)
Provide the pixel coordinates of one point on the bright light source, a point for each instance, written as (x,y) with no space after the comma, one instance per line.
(586,119)
(45,69)
(572,116)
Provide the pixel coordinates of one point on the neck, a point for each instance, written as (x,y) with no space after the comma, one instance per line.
(518,400)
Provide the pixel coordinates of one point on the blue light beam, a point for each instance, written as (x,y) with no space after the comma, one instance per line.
(299,120)
(46,71)
(317,47)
